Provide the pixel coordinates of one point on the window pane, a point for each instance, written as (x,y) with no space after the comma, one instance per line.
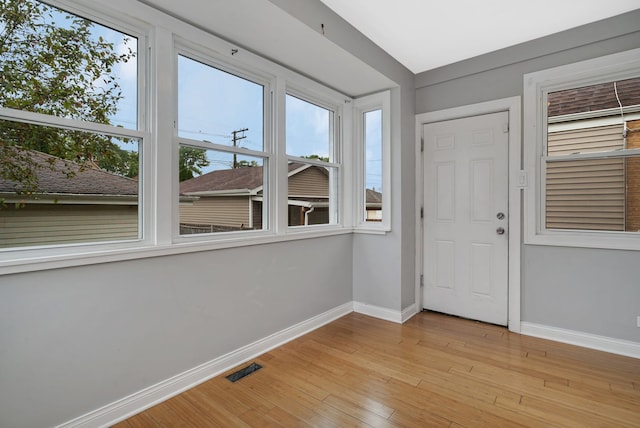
(217,106)
(59,186)
(594,194)
(309,198)
(220,192)
(53,62)
(573,117)
(597,193)
(373,165)
(309,129)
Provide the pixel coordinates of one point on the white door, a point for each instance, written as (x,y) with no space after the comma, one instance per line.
(465,226)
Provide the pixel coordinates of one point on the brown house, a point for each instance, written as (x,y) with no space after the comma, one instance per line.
(231,199)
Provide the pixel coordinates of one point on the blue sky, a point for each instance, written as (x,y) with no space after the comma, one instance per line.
(213,103)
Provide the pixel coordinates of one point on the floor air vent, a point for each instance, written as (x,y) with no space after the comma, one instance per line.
(236,376)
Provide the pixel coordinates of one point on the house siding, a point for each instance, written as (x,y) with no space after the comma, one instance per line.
(224,211)
(310,182)
(633,180)
(586,194)
(47,224)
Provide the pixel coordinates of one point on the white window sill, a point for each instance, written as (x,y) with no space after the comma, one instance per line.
(88,255)
(371,231)
(584,239)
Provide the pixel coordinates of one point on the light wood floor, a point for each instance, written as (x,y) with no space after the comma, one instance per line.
(434,370)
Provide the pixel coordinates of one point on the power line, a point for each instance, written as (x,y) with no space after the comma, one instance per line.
(235,139)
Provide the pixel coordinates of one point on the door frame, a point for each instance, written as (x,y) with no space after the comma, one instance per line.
(517,181)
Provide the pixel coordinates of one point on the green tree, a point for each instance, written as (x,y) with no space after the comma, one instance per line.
(318,157)
(246,164)
(191,162)
(51,63)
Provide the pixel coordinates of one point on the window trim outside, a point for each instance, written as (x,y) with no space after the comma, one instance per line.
(378,101)
(536,87)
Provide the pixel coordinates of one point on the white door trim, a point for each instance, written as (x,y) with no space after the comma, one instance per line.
(513,107)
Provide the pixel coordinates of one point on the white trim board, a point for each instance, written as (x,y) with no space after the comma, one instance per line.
(513,107)
(586,340)
(399,317)
(148,397)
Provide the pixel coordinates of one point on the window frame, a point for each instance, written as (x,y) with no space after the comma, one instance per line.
(21,256)
(537,86)
(332,102)
(159,34)
(378,101)
(209,58)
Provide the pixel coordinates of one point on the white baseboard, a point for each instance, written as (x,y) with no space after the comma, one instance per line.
(384,313)
(409,312)
(587,340)
(148,397)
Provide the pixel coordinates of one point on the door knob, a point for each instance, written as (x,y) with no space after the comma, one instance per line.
(500,231)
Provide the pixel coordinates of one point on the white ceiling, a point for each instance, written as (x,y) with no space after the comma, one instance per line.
(426,34)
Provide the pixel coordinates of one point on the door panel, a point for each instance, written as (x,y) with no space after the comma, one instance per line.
(466,186)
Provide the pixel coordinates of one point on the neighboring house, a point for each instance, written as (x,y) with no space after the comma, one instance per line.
(596,194)
(74,204)
(374,205)
(231,199)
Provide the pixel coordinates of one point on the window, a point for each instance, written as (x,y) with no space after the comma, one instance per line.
(109,153)
(70,135)
(374,148)
(586,190)
(311,159)
(222,163)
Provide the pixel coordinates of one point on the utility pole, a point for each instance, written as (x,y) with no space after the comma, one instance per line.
(237,138)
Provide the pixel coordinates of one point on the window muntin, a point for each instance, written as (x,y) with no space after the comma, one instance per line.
(218,106)
(551,194)
(70,149)
(313,173)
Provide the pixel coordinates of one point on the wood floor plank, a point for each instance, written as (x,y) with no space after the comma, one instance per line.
(434,371)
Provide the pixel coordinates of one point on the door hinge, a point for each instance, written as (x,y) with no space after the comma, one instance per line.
(505,128)
(421,280)
(422,145)
(421,212)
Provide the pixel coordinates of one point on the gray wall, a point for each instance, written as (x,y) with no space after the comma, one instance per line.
(384,266)
(73,340)
(588,290)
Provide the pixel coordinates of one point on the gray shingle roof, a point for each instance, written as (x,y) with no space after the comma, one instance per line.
(373,197)
(594,97)
(58,176)
(248,178)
